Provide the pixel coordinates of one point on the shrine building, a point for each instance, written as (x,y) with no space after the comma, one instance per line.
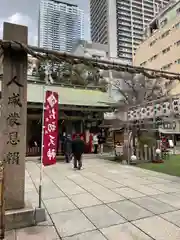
(81,111)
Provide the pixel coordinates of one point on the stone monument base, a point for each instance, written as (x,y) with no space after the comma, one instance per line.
(24,217)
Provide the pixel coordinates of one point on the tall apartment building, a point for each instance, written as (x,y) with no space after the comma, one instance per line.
(121,24)
(60,25)
(161,47)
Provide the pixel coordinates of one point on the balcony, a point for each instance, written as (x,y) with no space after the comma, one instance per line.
(122,33)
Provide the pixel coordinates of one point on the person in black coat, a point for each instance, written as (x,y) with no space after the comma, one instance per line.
(78,147)
(101,141)
(63,138)
(68,148)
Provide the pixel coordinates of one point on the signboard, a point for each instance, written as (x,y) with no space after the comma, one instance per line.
(50,128)
(170,127)
(119,150)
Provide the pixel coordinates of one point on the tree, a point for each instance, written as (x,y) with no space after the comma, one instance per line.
(136,89)
(81,74)
(68,74)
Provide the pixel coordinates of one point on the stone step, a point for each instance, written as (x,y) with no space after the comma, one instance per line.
(25,217)
(62,158)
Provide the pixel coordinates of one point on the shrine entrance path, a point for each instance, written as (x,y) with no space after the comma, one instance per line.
(105,200)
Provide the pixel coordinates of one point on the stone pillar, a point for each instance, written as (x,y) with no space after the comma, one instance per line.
(145,152)
(14,114)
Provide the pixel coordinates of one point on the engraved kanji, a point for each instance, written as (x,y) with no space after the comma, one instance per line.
(15,81)
(13,138)
(14,100)
(12,158)
(13,119)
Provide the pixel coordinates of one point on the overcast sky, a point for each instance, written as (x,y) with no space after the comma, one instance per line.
(25,12)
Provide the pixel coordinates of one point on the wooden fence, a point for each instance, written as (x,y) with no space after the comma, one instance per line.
(143,154)
(33,151)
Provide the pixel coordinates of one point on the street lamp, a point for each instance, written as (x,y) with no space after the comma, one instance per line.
(133,159)
(158,151)
(158,156)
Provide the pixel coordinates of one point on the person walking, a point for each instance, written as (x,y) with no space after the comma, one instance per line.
(95,143)
(77,150)
(68,148)
(101,141)
(63,138)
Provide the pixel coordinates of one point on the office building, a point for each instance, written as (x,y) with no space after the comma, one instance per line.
(60,25)
(121,24)
(161,41)
(162,44)
(161,48)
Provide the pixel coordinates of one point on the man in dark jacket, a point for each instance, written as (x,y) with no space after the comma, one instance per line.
(68,148)
(63,138)
(77,150)
(101,141)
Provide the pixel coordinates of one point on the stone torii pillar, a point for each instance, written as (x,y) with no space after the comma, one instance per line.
(14,104)
(13,132)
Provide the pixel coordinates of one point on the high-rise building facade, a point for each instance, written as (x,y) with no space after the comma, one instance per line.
(60,25)
(121,24)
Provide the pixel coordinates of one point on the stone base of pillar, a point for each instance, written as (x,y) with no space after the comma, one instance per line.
(133,163)
(59,158)
(24,217)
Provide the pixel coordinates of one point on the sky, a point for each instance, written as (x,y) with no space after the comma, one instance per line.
(25,12)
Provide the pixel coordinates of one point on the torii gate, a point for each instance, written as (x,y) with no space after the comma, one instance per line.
(14,49)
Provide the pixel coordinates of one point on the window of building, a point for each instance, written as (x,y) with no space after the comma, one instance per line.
(166,67)
(177,25)
(177,43)
(153,27)
(143,64)
(177,61)
(153,58)
(163,22)
(178,11)
(165,34)
(166,50)
(152,43)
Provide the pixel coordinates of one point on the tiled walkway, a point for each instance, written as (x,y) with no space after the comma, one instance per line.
(105,200)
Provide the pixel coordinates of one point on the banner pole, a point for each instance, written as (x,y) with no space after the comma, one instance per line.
(42,147)
(2,202)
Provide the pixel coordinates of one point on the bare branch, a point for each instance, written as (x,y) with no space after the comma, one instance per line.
(138,88)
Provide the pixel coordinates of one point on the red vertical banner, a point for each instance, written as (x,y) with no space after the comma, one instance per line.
(50,136)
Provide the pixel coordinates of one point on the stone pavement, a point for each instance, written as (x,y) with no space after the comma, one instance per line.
(105,200)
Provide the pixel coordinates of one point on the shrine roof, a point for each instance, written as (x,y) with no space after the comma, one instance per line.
(71,96)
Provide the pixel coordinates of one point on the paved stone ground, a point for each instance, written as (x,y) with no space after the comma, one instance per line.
(105,200)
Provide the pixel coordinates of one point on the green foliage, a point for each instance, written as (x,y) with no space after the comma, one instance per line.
(170,166)
(103,85)
(146,138)
(41,75)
